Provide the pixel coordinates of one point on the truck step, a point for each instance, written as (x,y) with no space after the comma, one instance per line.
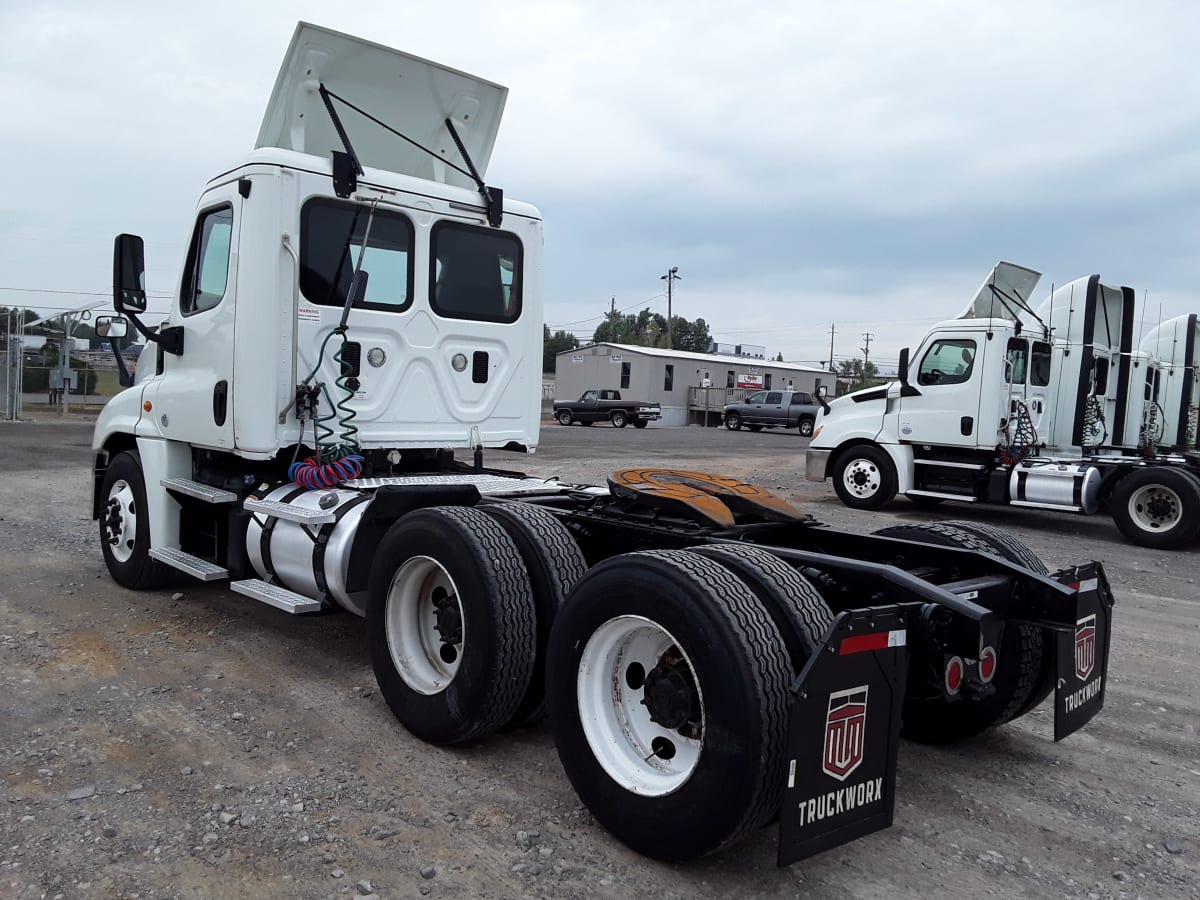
(199,491)
(291,513)
(965,498)
(949,464)
(276,596)
(185,562)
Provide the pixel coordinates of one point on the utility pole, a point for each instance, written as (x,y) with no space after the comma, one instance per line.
(832,330)
(866,354)
(672,275)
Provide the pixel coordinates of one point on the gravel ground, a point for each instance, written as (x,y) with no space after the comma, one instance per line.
(192,743)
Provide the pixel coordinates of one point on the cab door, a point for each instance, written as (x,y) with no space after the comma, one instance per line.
(192,397)
(949,371)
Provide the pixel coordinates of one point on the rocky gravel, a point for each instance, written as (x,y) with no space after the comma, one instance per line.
(188,742)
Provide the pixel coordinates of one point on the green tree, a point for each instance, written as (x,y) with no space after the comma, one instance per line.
(779,357)
(649,329)
(553,344)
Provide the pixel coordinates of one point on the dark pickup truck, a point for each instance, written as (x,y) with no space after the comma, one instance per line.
(606,406)
(777,409)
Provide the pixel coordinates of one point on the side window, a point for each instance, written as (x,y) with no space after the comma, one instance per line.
(1039,365)
(589,395)
(1016,361)
(669,378)
(730,380)
(757,397)
(801,397)
(625,370)
(948,361)
(774,398)
(206,274)
(331,242)
(475,273)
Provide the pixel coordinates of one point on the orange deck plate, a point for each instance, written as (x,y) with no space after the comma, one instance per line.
(713,497)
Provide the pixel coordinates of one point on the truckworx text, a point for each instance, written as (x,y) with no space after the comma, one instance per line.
(1045,409)
(346,325)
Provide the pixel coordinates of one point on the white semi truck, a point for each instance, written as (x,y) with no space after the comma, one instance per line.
(1044,409)
(710,658)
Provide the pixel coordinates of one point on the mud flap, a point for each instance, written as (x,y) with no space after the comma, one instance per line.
(844,732)
(1082,653)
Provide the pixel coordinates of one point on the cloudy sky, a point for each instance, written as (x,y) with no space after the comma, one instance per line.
(802,163)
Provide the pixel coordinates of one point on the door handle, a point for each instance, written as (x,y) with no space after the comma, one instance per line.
(220,402)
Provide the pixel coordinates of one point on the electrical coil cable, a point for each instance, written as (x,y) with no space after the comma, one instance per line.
(1095,431)
(337,458)
(1022,443)
(1154,426)
(1193,417)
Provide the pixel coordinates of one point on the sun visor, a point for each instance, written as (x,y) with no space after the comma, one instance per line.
(412,95)
(1011,283)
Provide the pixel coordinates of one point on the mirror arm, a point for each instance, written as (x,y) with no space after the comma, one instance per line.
(170,338)
(906,389)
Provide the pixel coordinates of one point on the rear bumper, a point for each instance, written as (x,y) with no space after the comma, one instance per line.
(815,464)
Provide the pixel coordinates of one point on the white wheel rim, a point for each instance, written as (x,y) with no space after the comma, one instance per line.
(862,478)
(616,722)
(1155,508)
(120,512)
(423,659)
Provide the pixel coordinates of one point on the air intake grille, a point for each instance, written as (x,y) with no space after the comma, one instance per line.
(479,367)
(351,359)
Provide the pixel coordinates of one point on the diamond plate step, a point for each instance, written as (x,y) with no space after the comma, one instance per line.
(185,562)
(276,596)
(199,491)
(291,513)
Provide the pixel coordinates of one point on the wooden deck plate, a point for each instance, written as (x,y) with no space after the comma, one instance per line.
(714,498)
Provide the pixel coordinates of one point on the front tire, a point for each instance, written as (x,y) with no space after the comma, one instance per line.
(125,526)
(451,623)
(564,417)
(733,421)
(806,427)
(668,695)
(1157,507)
(619,419)
(864,477)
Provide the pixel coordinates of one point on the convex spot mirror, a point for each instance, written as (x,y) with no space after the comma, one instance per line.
(111,327)
(129,274)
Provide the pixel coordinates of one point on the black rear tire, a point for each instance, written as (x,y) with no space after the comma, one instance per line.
(1157,507)
(738,664)
(123,510)
(640,423)
(497,621)
(799,612)
(864,477)
(928,717)
(755,427)
(554,563)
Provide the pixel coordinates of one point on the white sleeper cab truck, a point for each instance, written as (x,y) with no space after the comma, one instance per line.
(349,324)
(1045,409)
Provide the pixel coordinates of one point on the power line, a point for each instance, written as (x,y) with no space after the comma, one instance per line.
(164,295)
(607,314)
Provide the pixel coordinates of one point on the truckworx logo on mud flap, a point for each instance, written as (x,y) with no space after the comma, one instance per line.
(1085,664)
(845,730)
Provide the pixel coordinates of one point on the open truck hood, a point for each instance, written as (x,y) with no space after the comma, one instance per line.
(412,95)
(1008,279)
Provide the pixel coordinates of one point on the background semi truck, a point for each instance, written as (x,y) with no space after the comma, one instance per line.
(346,325)
(1045,409)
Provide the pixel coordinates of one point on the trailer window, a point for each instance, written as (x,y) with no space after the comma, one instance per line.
(1016,361)
(206,274)
(948,361)
(476,273)
(1039,365)
(331,243)
(625,370)
(669,378)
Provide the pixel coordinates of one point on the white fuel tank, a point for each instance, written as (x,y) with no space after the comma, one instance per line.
(1069,486)
(312,560)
